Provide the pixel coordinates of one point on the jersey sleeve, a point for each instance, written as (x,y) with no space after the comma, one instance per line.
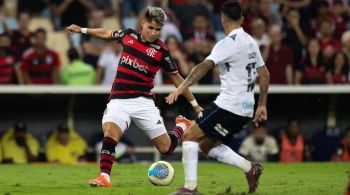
(222,51)
(168,63)
(118,35)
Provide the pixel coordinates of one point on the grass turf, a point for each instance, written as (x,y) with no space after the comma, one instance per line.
(214,179)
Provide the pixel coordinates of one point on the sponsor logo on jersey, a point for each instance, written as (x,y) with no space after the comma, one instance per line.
(151,52)
(248,105)
(133,63)
(221,130)
(133,35)
(131,41)
(155,46)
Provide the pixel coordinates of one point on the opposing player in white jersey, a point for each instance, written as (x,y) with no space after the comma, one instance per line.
(240,62)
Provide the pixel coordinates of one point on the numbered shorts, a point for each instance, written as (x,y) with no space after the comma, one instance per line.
(219,124)
(142,111)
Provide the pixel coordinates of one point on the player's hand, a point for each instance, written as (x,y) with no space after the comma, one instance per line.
(198,109)
(74,28)
(260,115)
(173,96)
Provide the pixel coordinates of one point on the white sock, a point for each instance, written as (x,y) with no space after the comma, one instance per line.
(226,155)
(106,176)
(182,126)
(190,162)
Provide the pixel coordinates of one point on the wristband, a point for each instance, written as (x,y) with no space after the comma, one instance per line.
(83,30)
(194,103)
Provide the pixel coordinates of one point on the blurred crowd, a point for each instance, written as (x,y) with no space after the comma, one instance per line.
(302,41)
(260,144)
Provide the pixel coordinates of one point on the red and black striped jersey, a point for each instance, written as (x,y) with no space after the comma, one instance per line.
(40,67)
(138,65)
(7,64)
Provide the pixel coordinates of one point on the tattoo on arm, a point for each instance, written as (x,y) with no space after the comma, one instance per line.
(198,72)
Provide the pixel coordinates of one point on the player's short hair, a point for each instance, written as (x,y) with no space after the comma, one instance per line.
(156,14)
(20,127)
(232,10)
(63,128)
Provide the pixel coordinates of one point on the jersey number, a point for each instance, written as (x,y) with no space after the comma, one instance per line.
(251,82)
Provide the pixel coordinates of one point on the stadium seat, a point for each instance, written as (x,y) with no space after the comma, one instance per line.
(38,22)
(111,23)
(59,42)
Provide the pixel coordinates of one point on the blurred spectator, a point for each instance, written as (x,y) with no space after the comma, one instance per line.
(259,146)
(40,64)
(65,146)
(33,7)
(343,152)
(7,20)
(130,7)
(10,72)
(19,146)
(106,6)
(338,16)
(278,57)
(178,55)
(251,11)
(124,151)
(293,4)
(311,69)
(292,146)
(338,69)
(345,41)
(66,12)
(322,14)
(199,41)
(77,72)
(329,45)
(92,47)
(295,34)
(187,12)
(107,65)
(23,38)
(258,32)
(170,27)
(326,143)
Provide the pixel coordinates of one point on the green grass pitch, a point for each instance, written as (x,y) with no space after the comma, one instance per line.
(214,179)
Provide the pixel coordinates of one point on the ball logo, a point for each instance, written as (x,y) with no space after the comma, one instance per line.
(151,52)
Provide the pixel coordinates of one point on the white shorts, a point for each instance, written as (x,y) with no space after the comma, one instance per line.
(142,111)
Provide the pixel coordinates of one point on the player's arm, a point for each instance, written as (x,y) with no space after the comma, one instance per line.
(196,73)
(101,33)
(177,80)
(264,81)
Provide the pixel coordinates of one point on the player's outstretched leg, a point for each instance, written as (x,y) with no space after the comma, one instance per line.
(226,155)
(176,134)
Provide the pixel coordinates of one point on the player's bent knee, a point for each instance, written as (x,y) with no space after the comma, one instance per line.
(112,130)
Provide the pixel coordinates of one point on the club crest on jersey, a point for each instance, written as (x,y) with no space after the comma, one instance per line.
(155,46)
(151,52)
(133,35)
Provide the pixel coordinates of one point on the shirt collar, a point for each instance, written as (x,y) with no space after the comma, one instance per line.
(236,31)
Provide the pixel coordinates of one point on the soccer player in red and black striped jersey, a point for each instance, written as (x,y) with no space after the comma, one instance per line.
(131,97)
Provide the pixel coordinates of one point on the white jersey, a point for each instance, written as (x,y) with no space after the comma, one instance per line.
(108,60)
(238,56)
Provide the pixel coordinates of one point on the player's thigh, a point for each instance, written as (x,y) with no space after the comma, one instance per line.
(218,124)
(207,144)
(194,133)
(147,118)
(116,117)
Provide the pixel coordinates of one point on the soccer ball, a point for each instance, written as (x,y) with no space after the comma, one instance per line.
(161,173)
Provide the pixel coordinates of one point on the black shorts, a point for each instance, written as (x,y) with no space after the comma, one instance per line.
(219,124)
